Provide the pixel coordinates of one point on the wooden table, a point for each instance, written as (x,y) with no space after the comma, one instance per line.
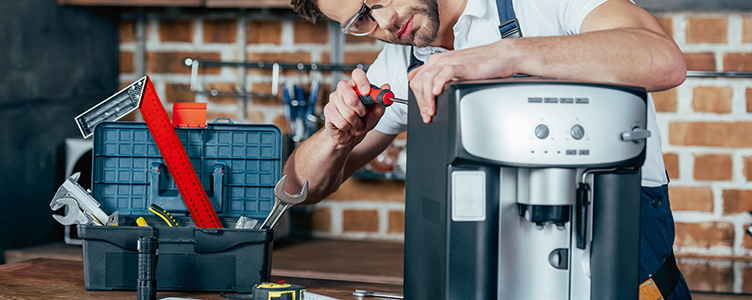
(325,267)
(63,279)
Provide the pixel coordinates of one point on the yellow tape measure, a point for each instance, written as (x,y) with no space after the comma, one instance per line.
(278,291)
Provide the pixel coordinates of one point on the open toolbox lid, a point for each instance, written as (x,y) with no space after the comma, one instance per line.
(237,164)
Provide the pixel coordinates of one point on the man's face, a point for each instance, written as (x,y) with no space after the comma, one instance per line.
(406,22)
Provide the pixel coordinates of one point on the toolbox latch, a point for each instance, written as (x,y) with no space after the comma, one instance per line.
(162,191)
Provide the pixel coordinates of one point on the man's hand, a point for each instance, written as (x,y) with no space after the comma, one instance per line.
(345,144)
(347,119)
(428,80)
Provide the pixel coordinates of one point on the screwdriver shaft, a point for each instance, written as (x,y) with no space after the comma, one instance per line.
(398,100)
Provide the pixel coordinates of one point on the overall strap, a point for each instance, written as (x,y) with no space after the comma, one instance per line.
(510,27)
(414,61)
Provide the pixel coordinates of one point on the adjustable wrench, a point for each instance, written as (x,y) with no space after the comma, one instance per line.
(80,207)
(283,202)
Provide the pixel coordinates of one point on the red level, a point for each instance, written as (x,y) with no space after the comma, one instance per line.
(177,160)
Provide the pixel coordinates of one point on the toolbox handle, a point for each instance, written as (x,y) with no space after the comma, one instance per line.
(223,121)
(170,199)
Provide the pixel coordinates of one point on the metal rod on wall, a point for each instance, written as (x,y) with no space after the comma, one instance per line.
(719,74)
(270,65)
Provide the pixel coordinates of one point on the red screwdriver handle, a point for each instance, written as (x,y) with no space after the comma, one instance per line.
(377,95)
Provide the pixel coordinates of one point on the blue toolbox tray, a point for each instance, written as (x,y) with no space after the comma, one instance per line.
(238,166)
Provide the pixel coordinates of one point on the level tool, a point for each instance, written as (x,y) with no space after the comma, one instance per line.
(142,94)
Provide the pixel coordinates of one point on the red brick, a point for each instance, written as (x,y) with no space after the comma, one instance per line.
(666,23)
(737,62)
(714,134)
(223,88)
(360,57)
(671,160)
(708,276)
(370,190)
(265,32)
(127,31)
(747,167)
(713,167)
(172,62)
(396,221)
(178,92)
(704,234)
(354,57)
(176,31)
(222,100)
(281,122)
(746,275)
(266,88)
(712,99)
(126,62)
(213,115)
(220,31)
(665,101)
(254,116)
(707,30)
(284,57)
(746,30)
(309,33)
(737,201)
(360,220)
(700,61)
(691,198)
(748,96)
(321,219)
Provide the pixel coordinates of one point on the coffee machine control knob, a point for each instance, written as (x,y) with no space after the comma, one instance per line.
(577,131)
(541,131)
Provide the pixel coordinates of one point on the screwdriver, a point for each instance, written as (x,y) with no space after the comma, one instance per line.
(384,97)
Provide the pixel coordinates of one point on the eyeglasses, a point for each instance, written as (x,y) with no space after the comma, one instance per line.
(363,22)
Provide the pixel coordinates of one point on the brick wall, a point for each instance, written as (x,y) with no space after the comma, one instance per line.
(707,134)
(706,122)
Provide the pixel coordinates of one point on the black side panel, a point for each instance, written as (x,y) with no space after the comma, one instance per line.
(473,252)
(426,205)
(616,236)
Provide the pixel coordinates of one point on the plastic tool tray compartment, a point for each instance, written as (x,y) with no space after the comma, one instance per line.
(238,166)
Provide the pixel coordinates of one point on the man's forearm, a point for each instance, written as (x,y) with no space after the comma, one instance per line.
(321,163)
(625,56)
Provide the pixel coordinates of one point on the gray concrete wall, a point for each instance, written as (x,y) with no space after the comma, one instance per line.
(55,62)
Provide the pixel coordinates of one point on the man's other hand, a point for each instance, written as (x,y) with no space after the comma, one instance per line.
(428,80)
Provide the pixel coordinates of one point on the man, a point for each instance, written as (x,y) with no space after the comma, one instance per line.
(590,40)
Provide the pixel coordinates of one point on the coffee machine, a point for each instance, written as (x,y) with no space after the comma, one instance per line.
(525,188)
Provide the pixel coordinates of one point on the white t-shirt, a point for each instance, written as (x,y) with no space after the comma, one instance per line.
(478,26)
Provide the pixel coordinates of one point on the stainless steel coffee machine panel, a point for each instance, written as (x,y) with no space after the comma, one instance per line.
(525,189)
(544,124)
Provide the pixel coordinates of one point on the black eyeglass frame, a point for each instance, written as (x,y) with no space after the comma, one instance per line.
(364,11)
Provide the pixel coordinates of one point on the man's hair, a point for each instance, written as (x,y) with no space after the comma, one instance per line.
(306,9)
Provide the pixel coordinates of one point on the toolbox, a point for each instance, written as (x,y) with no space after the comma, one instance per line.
(237,164)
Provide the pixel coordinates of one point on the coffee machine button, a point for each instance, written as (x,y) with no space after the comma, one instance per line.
(541,131)
(577,132)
